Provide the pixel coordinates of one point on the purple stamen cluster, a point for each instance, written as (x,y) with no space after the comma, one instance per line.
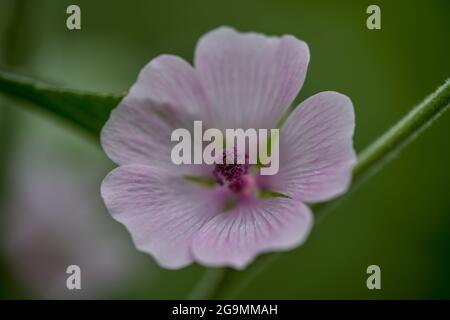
(232,175)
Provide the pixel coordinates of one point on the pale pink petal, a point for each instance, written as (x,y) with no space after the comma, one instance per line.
(166,96)
(250,79)
(170,80)
(235,237)
(162,212)
(316,149)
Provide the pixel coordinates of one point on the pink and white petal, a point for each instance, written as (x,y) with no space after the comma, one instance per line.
(250,79)
(168,79)
(234,238)
(316,149)
(166,96)
(140,133)
(162,212)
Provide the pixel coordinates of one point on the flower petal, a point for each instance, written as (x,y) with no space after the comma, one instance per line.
(162,212)
(316,149)
(169,79)
(250,78)
(235,237)
(166,96)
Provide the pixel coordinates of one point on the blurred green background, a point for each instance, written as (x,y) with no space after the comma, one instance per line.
(51,214)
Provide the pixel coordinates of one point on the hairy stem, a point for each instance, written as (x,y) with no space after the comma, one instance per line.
(226,282)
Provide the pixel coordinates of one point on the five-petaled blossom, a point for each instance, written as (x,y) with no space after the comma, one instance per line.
(239,80)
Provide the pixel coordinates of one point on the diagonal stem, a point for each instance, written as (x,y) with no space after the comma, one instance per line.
(227,282)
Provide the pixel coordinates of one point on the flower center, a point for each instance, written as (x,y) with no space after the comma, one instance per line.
(234,175)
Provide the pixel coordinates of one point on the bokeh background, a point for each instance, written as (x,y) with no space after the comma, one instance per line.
(51,213)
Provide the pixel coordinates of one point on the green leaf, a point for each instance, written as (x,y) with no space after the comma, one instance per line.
(86,110)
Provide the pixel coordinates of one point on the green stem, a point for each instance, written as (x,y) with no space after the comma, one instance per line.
(208,284)
(228,282)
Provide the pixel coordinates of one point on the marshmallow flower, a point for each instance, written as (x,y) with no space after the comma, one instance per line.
(239,80)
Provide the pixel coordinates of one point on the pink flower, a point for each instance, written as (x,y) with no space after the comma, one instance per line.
(51,221)
(238,81)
